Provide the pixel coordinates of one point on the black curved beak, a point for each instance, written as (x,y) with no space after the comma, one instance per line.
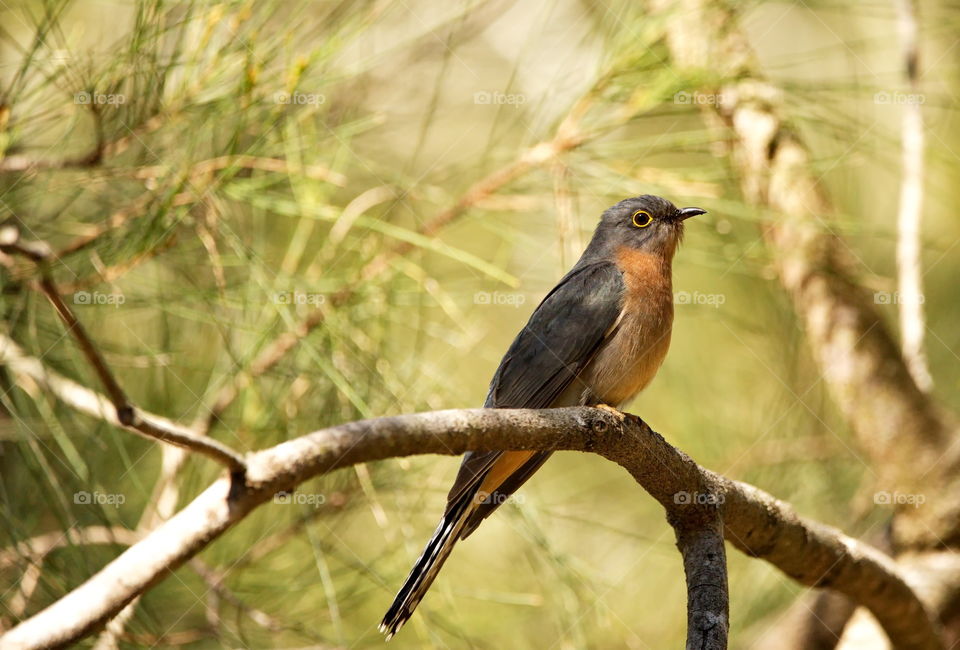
(686,213)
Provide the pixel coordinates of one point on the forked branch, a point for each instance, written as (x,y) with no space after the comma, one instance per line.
(753,521)
(127,415)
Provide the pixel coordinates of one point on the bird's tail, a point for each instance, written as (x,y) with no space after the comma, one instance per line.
(428,564)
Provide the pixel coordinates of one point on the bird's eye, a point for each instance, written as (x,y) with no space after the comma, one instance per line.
(642,219)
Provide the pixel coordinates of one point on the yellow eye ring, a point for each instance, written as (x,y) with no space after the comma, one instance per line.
(642,219)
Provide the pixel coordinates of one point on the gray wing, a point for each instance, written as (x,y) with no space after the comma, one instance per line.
(561,337)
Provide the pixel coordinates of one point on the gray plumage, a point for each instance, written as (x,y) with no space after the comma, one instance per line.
(598,337)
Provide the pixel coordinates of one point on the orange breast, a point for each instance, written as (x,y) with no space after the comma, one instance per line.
(630,358)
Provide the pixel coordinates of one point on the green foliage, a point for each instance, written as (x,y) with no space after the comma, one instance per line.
(213,173)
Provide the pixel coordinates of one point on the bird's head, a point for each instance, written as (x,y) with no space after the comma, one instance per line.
(647,223)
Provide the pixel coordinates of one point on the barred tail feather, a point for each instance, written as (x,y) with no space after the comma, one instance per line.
(428,565)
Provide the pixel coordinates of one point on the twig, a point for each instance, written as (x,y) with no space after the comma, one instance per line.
(124,414)
(91,159)
(127,414)
(754,521)
(29,580)
(27,164)
(909,276)
(244,161)
(568,226)
(89,350)
(110,274)
(82,399)
(117,219)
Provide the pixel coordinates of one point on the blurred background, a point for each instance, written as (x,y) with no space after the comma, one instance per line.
(367,175)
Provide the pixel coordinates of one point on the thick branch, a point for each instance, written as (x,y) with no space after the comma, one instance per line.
(754,521)
(935,576)
(700,541)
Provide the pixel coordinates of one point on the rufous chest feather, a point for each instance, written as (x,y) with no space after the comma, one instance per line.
(648,285)
(633,354)
(639,339)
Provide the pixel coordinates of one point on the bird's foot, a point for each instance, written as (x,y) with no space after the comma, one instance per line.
(615,412)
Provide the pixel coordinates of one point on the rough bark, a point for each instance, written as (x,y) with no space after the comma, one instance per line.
(754,521)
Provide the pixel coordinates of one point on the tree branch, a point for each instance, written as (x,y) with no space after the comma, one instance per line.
(83,399)
(909,280)
(127,415)
(859,359)
(705,568)
(27,164)
(754,521)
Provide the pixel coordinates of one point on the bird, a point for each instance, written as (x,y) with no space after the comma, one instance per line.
(596,339)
